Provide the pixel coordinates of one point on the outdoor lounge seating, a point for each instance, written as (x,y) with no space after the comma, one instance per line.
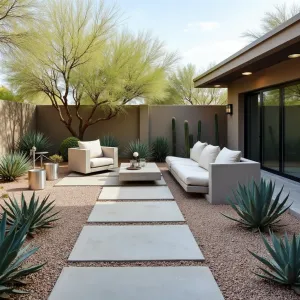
(212,172)
(92,157)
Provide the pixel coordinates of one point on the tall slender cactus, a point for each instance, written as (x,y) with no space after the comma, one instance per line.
(217,142)
(174,136)
(191,141)
(186,138)
(199,131)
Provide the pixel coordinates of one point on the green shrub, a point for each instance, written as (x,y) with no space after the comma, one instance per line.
(109,141)
(56,158)
(36,213)
(70,142)
(254,205)
(284,266)
(160,149)
(32,138)
(13,257)
(13,165)
(137,146)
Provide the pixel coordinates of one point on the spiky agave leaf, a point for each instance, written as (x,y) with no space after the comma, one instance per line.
(38,214)
(255,206)
(109,141)
(137,146)
(13,257)
(32,138)
(160,149)
(284,265)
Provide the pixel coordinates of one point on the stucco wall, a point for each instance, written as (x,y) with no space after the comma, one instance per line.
(15,119)
(281,73)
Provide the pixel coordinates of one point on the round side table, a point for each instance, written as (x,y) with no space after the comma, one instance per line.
(51,171)
(41,155)
(36,179)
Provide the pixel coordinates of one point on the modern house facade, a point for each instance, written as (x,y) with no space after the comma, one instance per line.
(263,81)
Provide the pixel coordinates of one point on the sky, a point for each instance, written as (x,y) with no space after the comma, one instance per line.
(202,31)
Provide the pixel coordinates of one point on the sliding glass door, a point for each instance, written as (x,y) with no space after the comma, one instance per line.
(272,131)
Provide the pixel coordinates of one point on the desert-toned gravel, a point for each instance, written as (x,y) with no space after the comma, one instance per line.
(223,243)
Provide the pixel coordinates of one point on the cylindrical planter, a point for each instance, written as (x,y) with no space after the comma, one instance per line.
(51,170)
(36,179)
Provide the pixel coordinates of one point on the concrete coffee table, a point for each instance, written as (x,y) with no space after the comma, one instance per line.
(148,173)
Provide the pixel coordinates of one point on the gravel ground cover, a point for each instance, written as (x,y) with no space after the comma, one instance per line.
(223,243)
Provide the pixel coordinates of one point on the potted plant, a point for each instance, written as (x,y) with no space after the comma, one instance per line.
(52,167)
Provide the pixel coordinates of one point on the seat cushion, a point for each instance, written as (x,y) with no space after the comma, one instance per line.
(101,161)
(93,146)
(197,150)
(208,156)
(227,156)
(192,175)
(170,160)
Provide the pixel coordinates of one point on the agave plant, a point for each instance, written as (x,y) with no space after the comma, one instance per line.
(255,206)
(137,146)
(36,213)
(13,165)
(12,258)
(284,266)
(32,138)
(109,141)
(160,149)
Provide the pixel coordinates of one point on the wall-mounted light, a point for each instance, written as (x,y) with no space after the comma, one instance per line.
(229,109)
(247,73)
(217,85)
(295,55)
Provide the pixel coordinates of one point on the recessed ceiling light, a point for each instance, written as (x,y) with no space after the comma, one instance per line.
(217,85)
(296,55)
(247,73)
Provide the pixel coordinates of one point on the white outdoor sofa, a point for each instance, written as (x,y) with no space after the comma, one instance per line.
(216,180)
(91,157)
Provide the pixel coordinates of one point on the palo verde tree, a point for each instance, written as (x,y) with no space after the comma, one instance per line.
(81,58)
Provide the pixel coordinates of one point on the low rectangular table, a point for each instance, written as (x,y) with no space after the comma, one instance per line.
(150,172)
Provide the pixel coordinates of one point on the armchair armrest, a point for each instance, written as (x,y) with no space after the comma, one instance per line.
(79,160)
(111,152)
(224,178)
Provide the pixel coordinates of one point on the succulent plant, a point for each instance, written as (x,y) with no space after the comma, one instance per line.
(199,130)
(32,138)
(56,158)
(36,213)
(109,141)
(174,136)
(186,139)
(12,258)
(160,149)
(284,265)
(255,206)
(217,142)
(70,142)
(136,146)
(13,165)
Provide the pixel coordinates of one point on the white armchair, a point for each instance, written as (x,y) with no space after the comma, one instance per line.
(80,160)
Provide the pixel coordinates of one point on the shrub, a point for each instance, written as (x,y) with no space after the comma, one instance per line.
(254,205)
(13,256)
(137,146)
(160,149)
(56,158)
(284,267)
(36,213)
(32,138)
(109,141)
(70,142)
(13,165)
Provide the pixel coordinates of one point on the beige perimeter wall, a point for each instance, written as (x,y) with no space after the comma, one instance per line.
(281,73)
(139,122)
(15,119)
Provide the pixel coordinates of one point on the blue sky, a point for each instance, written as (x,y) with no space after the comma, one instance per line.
(203,31)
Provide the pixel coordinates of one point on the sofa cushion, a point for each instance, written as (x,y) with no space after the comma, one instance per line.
(93,146)
(227,156)
(101,161)
(208,156)
(192,175)
(171,160)
(197,150)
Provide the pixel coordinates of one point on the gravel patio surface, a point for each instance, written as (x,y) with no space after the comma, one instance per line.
(223,243)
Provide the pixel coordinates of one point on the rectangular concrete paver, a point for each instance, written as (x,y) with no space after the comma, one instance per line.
(136,283)
(136,243)
(104,181)
(136,193)
(155,211)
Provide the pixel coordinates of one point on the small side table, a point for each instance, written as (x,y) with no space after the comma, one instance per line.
(36,179)
(51,171)
(41,155)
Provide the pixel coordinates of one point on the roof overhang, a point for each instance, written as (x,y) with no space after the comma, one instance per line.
(272,48)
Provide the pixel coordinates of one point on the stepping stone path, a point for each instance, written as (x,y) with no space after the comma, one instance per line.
(128,243)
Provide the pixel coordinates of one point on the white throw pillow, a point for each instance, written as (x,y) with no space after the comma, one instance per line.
(227,156)
(208,156)
(197,150)
(93,146)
